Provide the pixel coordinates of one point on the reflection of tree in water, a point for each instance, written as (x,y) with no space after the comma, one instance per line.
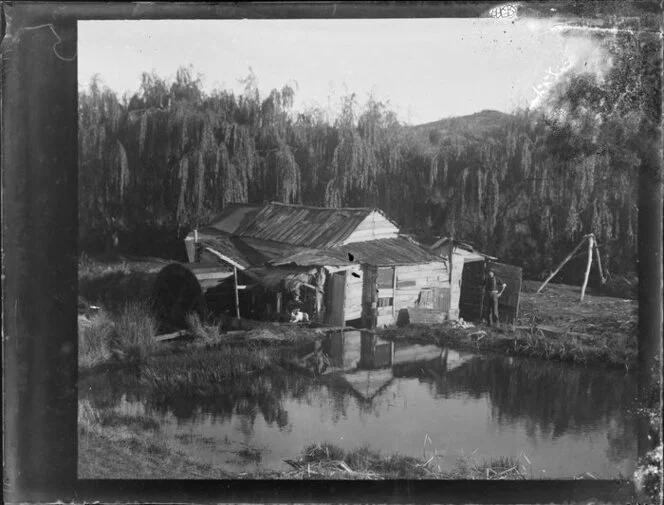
(547,398)
(105,389)
(248,396)
(340,401)
(621,436)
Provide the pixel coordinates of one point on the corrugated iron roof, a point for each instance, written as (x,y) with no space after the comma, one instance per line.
(389,251)
(316,227)
(246,252)
(233,216)
(446,241)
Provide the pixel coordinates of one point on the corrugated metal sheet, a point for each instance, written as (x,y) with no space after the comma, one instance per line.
(391,251)
(314,257)
(280,278)
(245,251)
(271,251)
(315,227)
(226,246)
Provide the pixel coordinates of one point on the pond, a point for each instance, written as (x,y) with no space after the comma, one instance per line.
(420,400)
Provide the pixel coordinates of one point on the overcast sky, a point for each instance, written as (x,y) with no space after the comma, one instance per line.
(426,68)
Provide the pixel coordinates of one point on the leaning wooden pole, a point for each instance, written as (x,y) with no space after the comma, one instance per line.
(599,264)
(237,297)
(591,241)
(562,264)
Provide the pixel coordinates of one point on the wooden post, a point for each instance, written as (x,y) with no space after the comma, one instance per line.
(590,261)
(320,287)
(237,297)
(569,257)
(343,305)
(373,286)
(278,308)
(482,289)
(394,293)
(599,264)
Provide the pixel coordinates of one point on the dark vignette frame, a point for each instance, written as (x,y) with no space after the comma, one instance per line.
(40,221)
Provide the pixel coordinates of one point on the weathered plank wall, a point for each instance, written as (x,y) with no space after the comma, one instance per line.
(369,296)
(354,288)
(455,285)
(412,278)
(423,290)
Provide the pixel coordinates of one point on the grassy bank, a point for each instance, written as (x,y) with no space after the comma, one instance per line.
(112,445)
(618,351)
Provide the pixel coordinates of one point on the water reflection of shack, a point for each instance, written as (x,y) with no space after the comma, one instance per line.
(366,364)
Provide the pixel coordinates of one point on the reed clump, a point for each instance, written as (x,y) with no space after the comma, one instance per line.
(201,370)
(125,336)
(329,461)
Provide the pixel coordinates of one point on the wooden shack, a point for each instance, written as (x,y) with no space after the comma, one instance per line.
(356,268)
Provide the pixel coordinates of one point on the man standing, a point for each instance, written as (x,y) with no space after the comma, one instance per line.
(491,284)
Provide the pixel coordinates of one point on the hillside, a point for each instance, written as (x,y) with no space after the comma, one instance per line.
(478,124)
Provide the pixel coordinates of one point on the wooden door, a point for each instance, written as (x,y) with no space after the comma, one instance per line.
(508,303)
(336,293)
(470,299)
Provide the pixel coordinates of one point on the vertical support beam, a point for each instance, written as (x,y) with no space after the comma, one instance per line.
(279,303)
(343,305)
(591,241)
(237,296)
(394,293)
(483,287)
(374,297)
(320,286)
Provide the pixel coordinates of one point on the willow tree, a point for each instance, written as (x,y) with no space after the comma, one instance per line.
(172,155)
(104,173)
(620,114)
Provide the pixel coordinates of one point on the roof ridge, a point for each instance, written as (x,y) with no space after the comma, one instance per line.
(314,207)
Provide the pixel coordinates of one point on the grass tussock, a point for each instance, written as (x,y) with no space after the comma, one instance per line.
(203,332)
(328,461)
(126,336)
(94,339)
(135,328)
